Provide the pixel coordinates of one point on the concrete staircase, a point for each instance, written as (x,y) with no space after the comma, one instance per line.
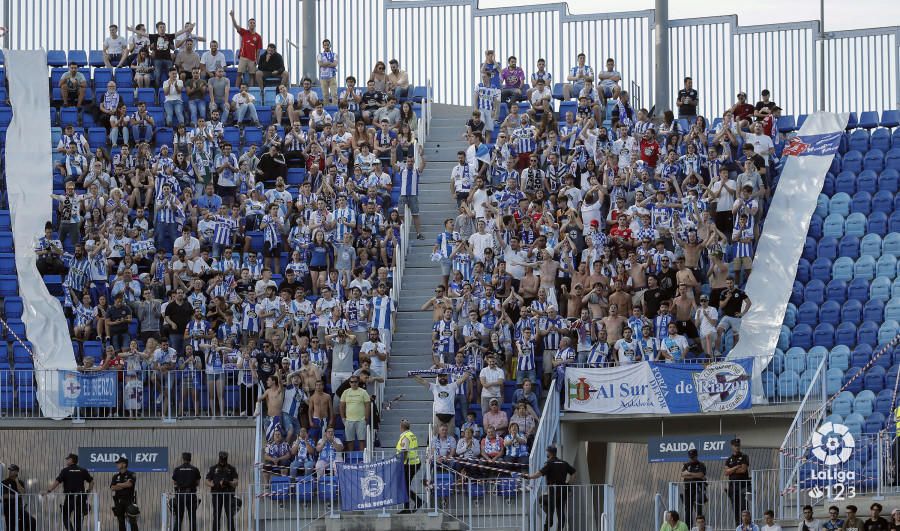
(411,344)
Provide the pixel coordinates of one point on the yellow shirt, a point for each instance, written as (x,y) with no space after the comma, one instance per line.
(356,400)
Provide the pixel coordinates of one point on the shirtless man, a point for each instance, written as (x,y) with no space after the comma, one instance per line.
(548,268)
(309,372)
(596,301)
(620,298)
(438,304)
(686,276)
(320,411)
(685,307)
(574,300)
(693,246)
(597,274)
(638,274)
(274,400)
(717,274)
(613,323)
(528,286)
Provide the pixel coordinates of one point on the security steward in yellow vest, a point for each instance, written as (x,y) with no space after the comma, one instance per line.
(407,449)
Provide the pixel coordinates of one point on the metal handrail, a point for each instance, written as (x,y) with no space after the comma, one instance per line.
(547,431)
(659,511)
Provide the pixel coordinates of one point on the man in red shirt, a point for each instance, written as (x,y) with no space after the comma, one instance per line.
(621,233)
(650,148)
(743,111)
(769,121)
(251,44)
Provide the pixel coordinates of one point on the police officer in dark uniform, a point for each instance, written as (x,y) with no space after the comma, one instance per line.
(557,473)
(222,480)
(14,514)
(122,487)
(737,470)
(76,482)
(693,473)
(186,478)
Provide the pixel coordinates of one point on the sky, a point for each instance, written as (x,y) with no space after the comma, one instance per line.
(839,14)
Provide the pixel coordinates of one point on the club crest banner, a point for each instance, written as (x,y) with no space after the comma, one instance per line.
(660,388)
(366,486)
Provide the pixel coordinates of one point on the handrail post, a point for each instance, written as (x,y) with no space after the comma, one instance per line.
(164,512)
(880,470)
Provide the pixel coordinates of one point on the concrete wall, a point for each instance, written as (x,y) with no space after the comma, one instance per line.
(39,448)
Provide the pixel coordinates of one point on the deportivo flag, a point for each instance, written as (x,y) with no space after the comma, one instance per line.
(365,486)
(808,157)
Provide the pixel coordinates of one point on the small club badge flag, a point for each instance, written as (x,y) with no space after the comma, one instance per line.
(366,486)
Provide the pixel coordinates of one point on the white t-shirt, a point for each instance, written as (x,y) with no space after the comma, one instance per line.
(479,242)
(377,365)
(761,143)
(706,318)
(213,62)
(444,396)
(773,527)
(726,199)
(172,90)
(189,244)
(491,376)
(115,46)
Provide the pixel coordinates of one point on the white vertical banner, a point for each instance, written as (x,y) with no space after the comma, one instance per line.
(29,180)
(809,156)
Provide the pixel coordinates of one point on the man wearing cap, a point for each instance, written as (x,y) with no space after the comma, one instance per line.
(222,480)
(122,487)
(73,478)
(558,474)
(14,515)
(186,478)
(693,473)
(737,470)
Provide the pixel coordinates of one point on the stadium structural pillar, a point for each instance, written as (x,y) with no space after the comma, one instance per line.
(310,46)
(661,74)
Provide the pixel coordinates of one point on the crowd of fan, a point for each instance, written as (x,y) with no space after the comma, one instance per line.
(578,243)
(200,271)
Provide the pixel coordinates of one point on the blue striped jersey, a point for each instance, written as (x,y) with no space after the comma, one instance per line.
(446,336)
(525,139)
(487,97)
(382,310)
(250,321)
(552,339)
(661,325)
(409,180)
(525,355)
(599,354)
(742,249)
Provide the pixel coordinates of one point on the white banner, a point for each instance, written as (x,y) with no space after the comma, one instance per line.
(628,389)
(775,265)
(30,183)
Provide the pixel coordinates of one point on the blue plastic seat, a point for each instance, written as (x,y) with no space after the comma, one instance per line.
(795,360)
(833,226)
(852,382)
(821,269)
(855,224)
(849,247)
(870,245)
(823,335)
(798,292)
(56,58)
(895,285)
(892,309)
(883,203)
(874,423)
(891,244)
(892,157)
(886,267)
(864,267)
(887,331)
(862,405)
(867,334)
(867,181)
(836,291)
(868,119)
(884,400)
(845,334)
(845,182)
(858,289)
(881,139)
(801,337)
(822,205)
(839,358)
(808,313)
(788,384)
(810,249)
(843,403)
(827,248)
(874,160)
(889,180)
(859,140)
(840,204)
(833,379)
(890,118)
(877,222)
(784,338)
(861,204)
(803,270)
(842,269)
(814,291)
(828,312)
(851,312)
(874,307)
(852,161)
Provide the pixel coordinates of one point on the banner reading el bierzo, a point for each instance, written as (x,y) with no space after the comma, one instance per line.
(660,388)
(371,485)
(88,389)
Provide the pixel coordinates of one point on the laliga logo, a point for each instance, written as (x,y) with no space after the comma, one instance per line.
(836,448)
